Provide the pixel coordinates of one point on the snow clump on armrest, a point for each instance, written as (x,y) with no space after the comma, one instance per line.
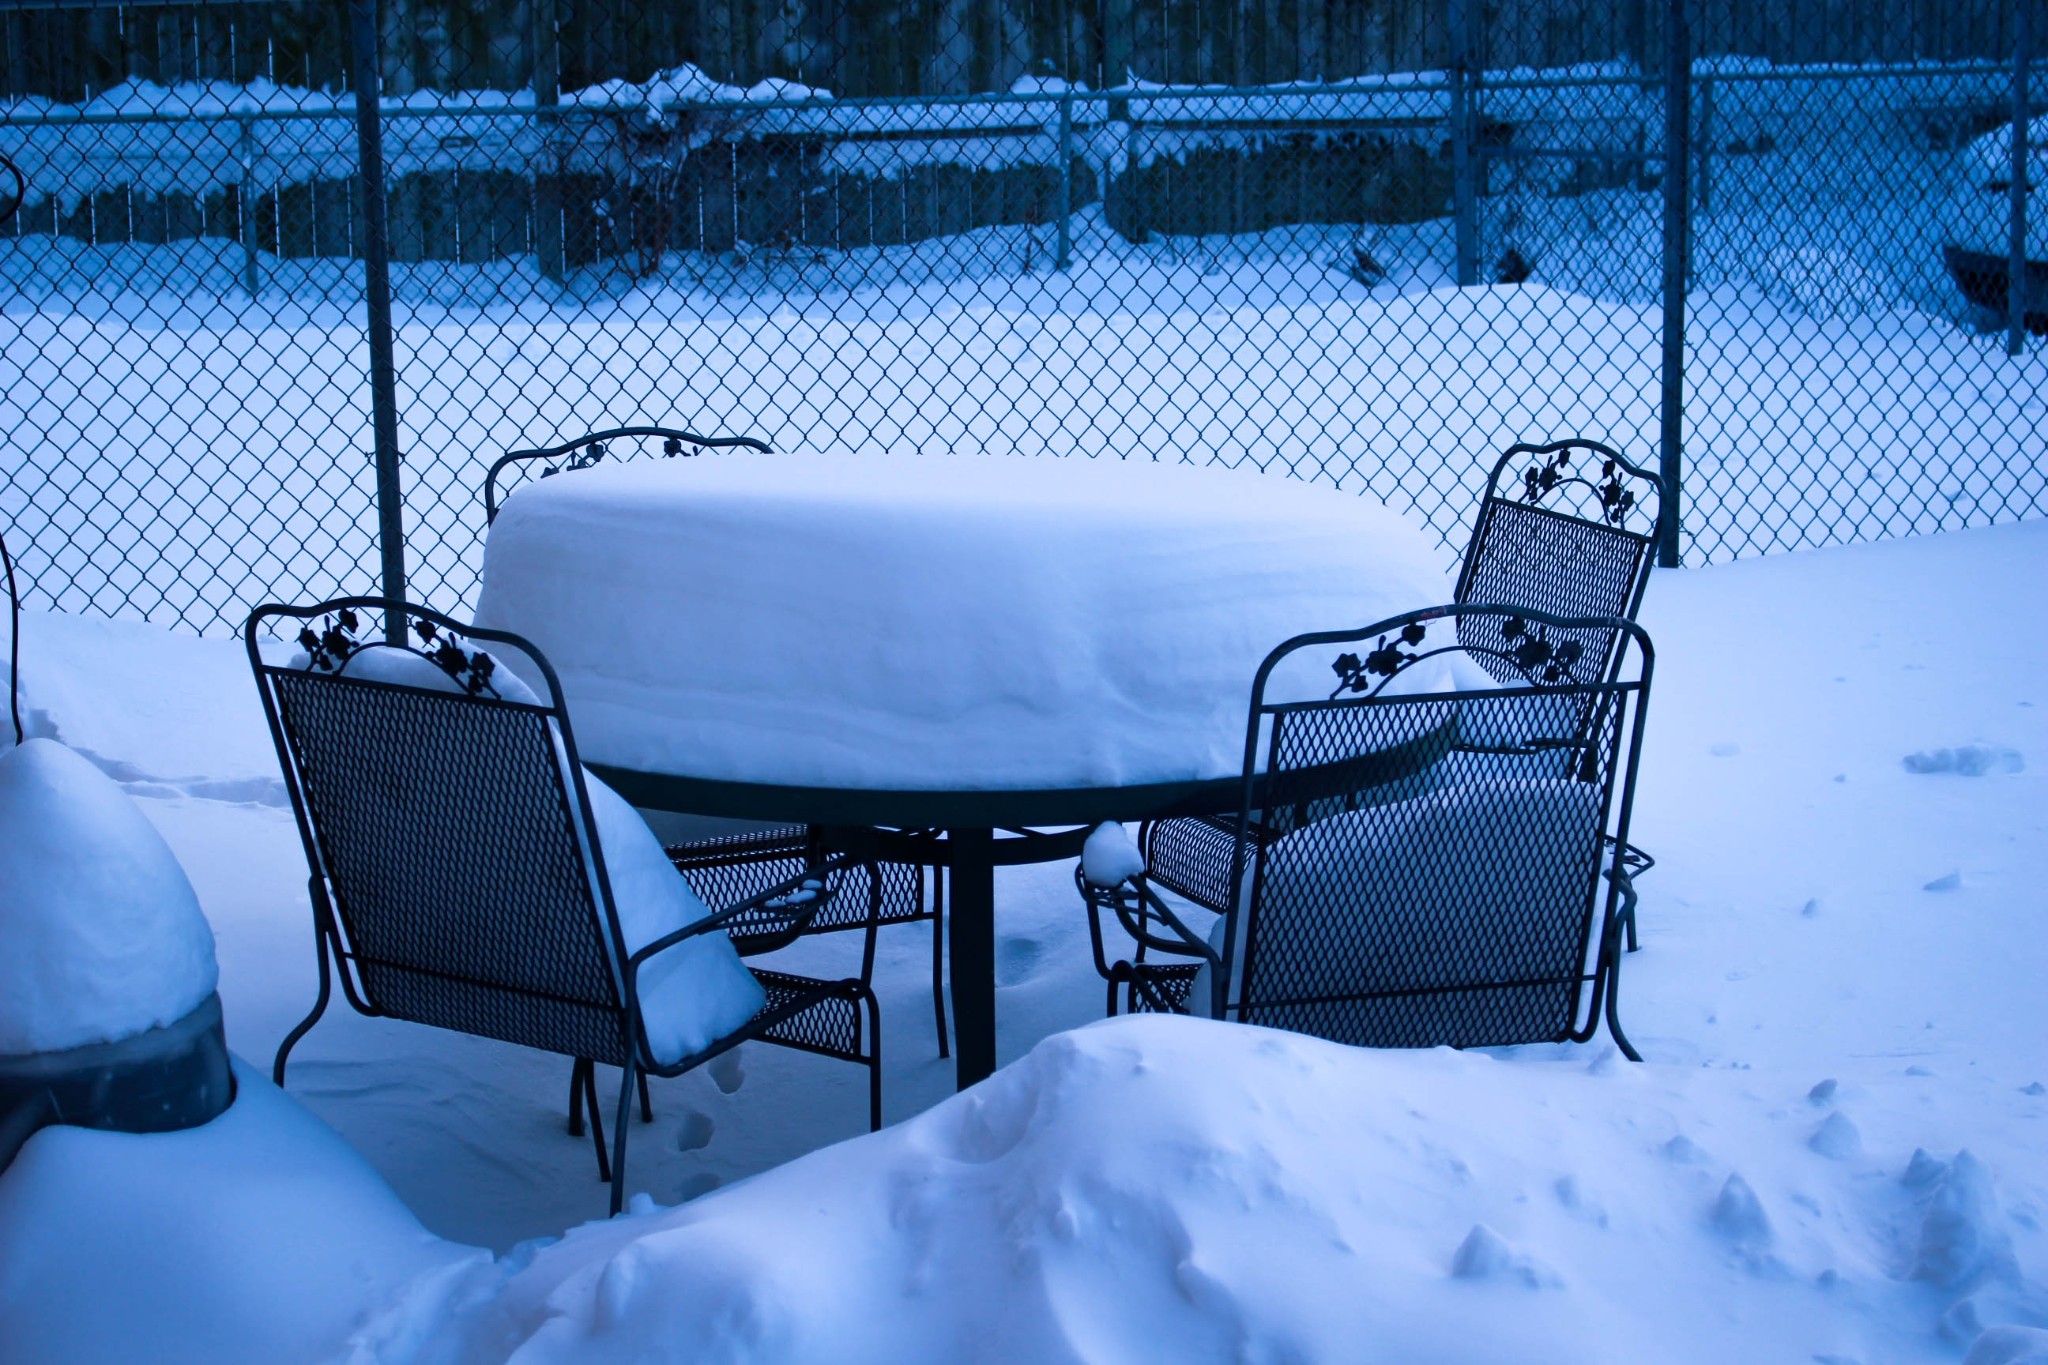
(1109,858)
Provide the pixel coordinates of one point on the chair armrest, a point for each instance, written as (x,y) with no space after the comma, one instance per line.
(1634,861)
(1187,944)
(1191,943)
(801,896)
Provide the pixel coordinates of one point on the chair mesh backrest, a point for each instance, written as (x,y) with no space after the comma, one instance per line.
(1539,552)
(444,827)
(1463,913)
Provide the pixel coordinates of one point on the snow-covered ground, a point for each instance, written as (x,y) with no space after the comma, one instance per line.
(1834,1151)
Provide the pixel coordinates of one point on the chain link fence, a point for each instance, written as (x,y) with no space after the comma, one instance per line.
(1782,251)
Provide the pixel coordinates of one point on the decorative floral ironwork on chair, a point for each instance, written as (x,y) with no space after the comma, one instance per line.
(1555,471)
(1526,646)
(596,447)
(329,650)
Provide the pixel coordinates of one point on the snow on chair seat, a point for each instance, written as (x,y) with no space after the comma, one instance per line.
(466,872)
(1488,908)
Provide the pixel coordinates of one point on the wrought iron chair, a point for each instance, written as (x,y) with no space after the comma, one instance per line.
(731,867)
(457,874)
(1487,907)
(1570,528)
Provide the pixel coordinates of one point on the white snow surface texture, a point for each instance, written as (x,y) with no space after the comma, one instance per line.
(921,622)
(691,994)
(265,1237)
(1832,1154)
(101,936)
(1172,1189)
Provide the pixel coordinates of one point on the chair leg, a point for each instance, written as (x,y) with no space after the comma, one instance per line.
(874,1062)
(625,1126)
(291,1040)
(576,1097)
(604,1166)
(646,1101)
(1631,920)
(1613,1017)
(939,957)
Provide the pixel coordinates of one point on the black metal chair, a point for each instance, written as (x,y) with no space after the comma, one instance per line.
(1484,906)
(457,876)
(731,867)
(1570,528)
(13,642)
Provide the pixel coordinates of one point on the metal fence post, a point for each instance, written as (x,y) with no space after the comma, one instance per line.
(2016,229)
(245,210)
(1677,234)
(1703,151)
(1064,150)
(549,245)
(368,84)
(1464,180)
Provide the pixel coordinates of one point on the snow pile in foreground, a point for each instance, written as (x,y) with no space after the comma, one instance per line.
(1172,1189)
(101,936)
(258,1237)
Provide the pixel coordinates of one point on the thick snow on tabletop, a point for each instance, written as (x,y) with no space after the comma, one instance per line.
(101,936)
(917,622)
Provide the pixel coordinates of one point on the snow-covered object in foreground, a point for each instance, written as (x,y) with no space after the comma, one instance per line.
(1154,1188)
(691,994)
(900,621)
(1108,857)
(101,936)
(258,1237)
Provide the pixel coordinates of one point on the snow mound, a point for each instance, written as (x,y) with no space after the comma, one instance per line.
(101,936)
(1159,1188)
(258,1237)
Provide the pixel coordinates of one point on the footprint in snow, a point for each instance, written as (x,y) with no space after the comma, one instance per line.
(696,1186)
(1966,760)
(694,1132)
(728,1072)
(1016,959)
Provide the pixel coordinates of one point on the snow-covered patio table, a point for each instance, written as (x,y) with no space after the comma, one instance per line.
(875,640)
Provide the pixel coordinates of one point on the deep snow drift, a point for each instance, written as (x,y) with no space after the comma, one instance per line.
(1174,1189)
(1834,1150)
